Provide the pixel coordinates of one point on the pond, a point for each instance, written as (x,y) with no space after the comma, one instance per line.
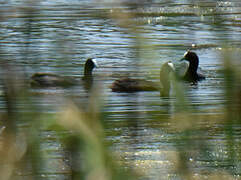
(132,39)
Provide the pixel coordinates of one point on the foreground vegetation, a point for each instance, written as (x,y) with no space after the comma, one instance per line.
(80,132)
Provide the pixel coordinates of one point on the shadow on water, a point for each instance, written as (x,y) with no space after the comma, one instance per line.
(74,133)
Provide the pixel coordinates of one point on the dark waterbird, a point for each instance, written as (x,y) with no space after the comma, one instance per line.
(191,74)
(134,85)
(42,79)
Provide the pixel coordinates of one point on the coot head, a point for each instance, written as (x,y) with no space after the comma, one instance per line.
(90,64)
(191,74)
(190,56)
(193,60)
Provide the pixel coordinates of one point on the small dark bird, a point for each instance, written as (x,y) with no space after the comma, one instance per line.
(135,85)
(42,79)
(191,74)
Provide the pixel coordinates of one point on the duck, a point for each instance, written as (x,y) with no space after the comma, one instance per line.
(46,80)
(191,75)
(130,85)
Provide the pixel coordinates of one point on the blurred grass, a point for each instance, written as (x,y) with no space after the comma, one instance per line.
(84,146)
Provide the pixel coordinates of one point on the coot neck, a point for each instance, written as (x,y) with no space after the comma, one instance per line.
(88,71)
(193,66)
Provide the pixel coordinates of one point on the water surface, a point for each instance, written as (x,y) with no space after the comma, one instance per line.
(57,36)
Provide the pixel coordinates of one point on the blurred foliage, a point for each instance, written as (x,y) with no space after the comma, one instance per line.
(84,146)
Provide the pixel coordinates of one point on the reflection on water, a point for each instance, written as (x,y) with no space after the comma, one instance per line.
(58,36)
